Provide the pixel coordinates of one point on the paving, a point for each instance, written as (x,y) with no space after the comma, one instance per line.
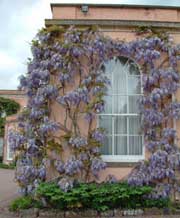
(8,187)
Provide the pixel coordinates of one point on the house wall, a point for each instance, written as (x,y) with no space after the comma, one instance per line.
(11,121)
(73,12)
(115,13)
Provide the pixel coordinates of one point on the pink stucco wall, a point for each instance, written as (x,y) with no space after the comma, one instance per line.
(113,13)
(122,33)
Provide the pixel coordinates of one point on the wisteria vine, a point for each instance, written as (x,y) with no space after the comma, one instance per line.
(66,71)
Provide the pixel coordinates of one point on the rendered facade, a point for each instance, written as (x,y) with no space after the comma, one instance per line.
(124,144)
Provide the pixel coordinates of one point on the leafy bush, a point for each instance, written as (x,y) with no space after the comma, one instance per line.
(21,203)
(25,202)
(99,197)
(2,124)
(7,166)
(9,106)
(159,203)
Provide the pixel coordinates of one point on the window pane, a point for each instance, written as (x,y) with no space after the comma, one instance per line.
(106,148)
(135,145)
(120,104)
(11,153)
(119,81)
(122,99)
(106,123)
(120,125)
(108,104)
(134,86)
(120,145)
(134,125)
(133,68)
(133,104)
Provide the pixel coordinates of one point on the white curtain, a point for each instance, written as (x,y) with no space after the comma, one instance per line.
(120,104)
(123,134)
(106,149)
(135,145)
(120,144)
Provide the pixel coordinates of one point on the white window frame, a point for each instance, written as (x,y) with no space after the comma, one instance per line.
(2,140)
(124,158)
(8,157)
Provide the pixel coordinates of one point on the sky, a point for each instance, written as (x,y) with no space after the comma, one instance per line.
(21,19)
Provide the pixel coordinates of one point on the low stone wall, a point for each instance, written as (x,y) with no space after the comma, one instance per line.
(36,213)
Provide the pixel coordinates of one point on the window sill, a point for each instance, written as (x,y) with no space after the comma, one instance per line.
(122,160)
(121,164)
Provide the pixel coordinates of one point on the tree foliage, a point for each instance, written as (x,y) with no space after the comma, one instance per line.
(8,107)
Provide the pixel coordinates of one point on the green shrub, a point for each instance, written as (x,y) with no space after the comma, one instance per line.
(159,203)
(99,197)
(7,166)
(25,202)
(21,203)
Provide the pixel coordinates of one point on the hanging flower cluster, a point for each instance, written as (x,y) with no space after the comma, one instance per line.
(57,65)
(159,110)
(66,71)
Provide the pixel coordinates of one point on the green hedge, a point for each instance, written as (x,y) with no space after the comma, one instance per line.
(21,203)
(9,106)
(99,197)
(25,202)
(7,166)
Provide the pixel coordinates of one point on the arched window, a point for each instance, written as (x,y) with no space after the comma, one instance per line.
(121,118)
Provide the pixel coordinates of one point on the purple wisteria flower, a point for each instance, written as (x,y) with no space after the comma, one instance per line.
(66,184)
(153,117)
(59,165)
(74,97)
(98,135)
(140,175)
(89,116)
(174,110)
(16,140)
(73,166)
(42,173)
(48,126)
(83,156)
(161,191)
(78,142)
(99,107)
(97,165)
(32,147)
(48,91)
(169,133)
(26,174)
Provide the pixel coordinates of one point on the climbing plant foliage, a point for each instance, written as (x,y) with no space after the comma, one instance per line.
(8,107)
(66,73)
